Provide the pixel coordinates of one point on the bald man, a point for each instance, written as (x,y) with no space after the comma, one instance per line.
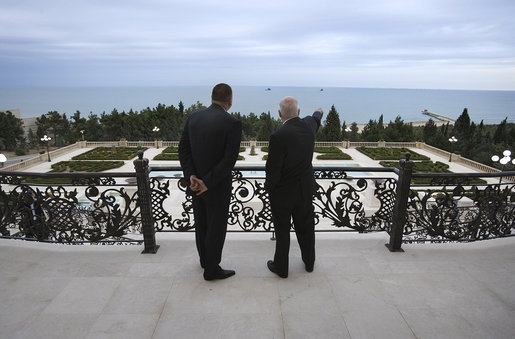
(291,185)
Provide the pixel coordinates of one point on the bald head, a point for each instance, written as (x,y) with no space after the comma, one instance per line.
(288,108)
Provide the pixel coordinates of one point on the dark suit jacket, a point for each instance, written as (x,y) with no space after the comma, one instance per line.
(290,154)
(209,145)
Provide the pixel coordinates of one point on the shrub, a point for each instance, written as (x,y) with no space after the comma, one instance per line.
(241,157)
(334,156)
(170,149)
(427,166)
(20,151)
(110,153)
(387,153)
(167,156)
(265,157)
(242,149)
(85,166)
(264,149)
(331,149)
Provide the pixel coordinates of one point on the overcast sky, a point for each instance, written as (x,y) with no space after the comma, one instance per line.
(442,44)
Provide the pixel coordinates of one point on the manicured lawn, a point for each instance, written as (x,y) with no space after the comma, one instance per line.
(331,153)
(171,149)
(110,153)
(387,153)
(167,156)
(334,156)
(85,166)
(74,166)
(427,166)
(169,153)
(330,149)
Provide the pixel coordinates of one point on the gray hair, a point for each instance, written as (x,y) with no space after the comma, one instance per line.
(289,107)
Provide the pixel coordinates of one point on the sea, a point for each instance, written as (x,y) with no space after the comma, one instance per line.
(358,105)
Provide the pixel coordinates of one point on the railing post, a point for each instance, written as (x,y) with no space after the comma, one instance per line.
(401,203)
(145,203)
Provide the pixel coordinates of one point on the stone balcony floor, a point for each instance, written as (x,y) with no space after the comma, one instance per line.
(357,290)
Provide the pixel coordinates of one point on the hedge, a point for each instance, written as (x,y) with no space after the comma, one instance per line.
(167,156)
(170,149)
(110,153)
(85,166)
(334,156)
(386,153)
(330,149)
(428,167)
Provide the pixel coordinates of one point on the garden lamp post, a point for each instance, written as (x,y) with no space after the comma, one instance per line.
(452,140)
(82,134)
(503,161)
(2,159)
(348,130)
(156,130)
(47,139)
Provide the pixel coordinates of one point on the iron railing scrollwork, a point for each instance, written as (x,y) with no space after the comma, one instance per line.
(339,202)
(461,213)
(107,208)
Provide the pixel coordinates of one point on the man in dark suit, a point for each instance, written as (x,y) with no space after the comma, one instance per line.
(291,185)
(208,150)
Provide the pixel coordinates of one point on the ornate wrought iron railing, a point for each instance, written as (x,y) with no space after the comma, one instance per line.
(453,208)
(348,199)
(131,207)
(70,207)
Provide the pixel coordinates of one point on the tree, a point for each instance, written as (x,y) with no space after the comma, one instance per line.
(501,132)
(369,132)
(77,124)
(332,128)
(354,132)
(55,125)
(399,131)
(32,139)
(266,127)
(11,131)
(462,126)
(430,131)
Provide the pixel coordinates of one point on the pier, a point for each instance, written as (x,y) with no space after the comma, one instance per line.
(438,116)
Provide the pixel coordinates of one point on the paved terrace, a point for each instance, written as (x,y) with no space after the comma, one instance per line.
(357,290)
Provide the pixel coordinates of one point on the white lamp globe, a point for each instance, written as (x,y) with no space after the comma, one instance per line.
(506,153)
(504,160)
(495,158)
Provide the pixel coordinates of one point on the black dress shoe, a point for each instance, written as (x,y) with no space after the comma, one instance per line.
(309,267)
(221,274)
(272,268)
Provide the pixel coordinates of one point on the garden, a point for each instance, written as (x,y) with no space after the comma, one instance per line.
(331,153)
(386,153)
(110,153)
(169,153)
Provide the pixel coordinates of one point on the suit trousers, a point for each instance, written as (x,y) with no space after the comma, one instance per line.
(211,211)
(293,202)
